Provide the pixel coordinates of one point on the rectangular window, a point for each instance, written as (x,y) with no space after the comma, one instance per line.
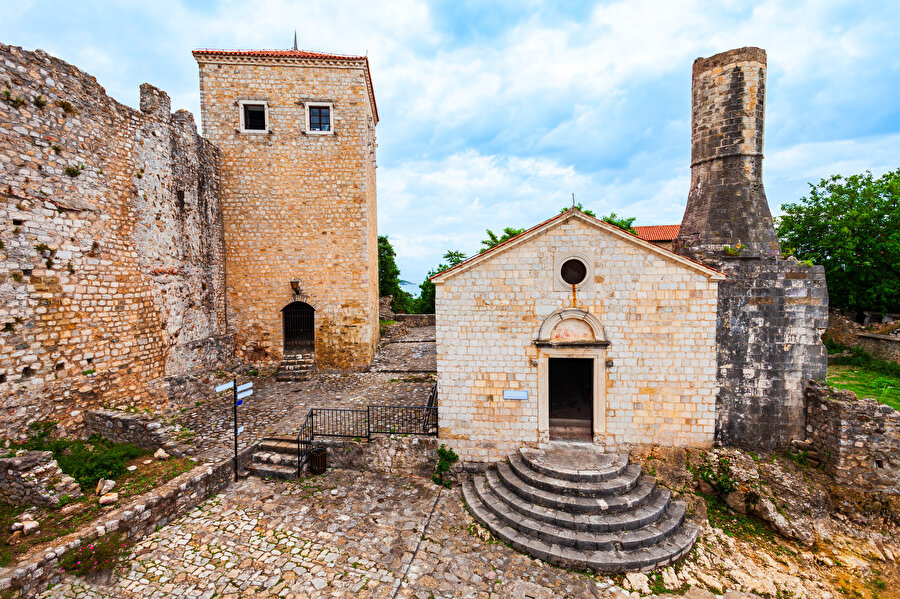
(320,118)
(254,116)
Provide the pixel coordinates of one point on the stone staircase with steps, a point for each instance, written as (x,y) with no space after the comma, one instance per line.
(296,367)
(580,508)
(276,457)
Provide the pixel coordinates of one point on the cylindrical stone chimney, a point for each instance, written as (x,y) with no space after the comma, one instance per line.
(727,204)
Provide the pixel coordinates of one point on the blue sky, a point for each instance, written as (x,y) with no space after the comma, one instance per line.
(494,113)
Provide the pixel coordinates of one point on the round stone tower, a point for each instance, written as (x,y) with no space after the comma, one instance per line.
(727,204)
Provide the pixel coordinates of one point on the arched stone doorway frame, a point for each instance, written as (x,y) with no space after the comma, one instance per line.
(305,310)
(572,333)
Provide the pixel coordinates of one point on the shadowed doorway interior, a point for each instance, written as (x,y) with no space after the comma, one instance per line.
(299,328)
(571,396)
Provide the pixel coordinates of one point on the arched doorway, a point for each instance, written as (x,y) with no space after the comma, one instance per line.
(299,327)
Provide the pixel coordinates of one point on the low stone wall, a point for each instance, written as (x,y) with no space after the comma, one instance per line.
(135,520)
(842,329)
(415,320)
(34,478)
(391,455)
(858,440)
(884,347)
(140,429)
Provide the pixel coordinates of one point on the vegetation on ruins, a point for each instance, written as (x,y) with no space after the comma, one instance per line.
(858,371)
(851,226)
(446,458)
(105,553)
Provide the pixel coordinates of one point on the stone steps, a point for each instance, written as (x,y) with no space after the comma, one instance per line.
(646,514)
(615,486)
(668,551)
(579,508)
(264,470)
(296,367)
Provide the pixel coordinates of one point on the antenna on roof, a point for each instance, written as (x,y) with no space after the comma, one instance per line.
(573,199)
(295,41)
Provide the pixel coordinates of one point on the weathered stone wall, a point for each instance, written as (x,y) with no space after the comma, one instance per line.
(771,315)
(659,315)
(111,277)
(135,520)
(858,440)
(140,429)
(842,329)
(884,347)
(34,478)
(297,206)
(390,455)
(727,203)
(771,311)
(415,320)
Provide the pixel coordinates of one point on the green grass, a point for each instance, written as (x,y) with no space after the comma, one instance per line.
(866,383)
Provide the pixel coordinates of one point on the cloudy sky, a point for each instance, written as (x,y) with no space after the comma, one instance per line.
(494,113)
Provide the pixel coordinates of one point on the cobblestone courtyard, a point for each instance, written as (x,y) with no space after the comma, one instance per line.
(278,408)
(344,534)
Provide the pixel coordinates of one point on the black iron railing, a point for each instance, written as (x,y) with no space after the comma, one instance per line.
(362,424)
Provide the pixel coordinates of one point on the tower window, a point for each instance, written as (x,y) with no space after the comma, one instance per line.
(319,117)
(573,271)
(254,116)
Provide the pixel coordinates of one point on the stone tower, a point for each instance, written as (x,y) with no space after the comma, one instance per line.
(771,311)
(296,131)
(727,203)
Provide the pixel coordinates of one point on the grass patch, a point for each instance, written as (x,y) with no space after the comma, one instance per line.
(734,524)
(85,461)
(73,514)
(865,382)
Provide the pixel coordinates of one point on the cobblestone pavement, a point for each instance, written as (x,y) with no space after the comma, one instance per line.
(344,534)
(278,408)
(414,352)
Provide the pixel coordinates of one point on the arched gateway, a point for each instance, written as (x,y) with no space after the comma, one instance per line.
(299,320)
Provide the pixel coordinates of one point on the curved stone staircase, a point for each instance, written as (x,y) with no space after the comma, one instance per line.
(580,508)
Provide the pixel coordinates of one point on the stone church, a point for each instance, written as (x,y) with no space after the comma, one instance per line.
(577,330)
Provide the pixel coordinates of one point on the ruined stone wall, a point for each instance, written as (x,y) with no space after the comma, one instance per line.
(34,478)
(858,440)
(883,347)
(297,206)
(771,316)
(771,311)
(111,278)
(658,315)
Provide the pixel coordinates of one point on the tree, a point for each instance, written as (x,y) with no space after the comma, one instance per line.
(621,222)
(425,301)
(494,240)
(578,205)
(389,277)
(851,226)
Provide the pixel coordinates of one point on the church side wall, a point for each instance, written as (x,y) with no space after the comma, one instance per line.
(659,317)
(297,206)
(111,278)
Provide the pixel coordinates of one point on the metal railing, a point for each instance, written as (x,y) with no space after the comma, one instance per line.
(362,424)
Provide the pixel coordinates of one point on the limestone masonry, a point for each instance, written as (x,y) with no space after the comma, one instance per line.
(299,204)
(771,311)
(644,316)
(111,268)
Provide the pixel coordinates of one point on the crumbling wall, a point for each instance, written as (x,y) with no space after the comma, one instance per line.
(858,440)
(771,311)
(111,276)
(34,478)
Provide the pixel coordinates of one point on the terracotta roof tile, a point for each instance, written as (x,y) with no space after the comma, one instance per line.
(658,232)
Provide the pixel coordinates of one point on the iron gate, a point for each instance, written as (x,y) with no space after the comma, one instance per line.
(299,327)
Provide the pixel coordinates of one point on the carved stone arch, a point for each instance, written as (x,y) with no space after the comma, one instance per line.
(571,326)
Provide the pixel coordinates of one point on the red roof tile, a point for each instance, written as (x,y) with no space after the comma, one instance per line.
(658,232)
(296,54)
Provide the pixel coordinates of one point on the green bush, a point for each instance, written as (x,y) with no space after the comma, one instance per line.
(862,359)
(446,458)
(85,461)
(106,553)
